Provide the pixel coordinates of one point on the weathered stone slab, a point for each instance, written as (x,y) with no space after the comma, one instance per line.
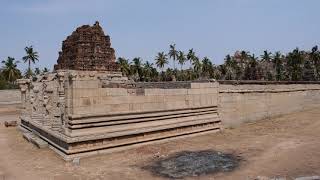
(34,139)
(10,123)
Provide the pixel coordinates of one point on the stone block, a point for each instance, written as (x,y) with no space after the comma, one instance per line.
(195,85)
(175,105)
(174,98)
(119,108)
(85,84)
(111,100)
(170,92)
(157,92)
(117,92)
(36,140)
(194,91)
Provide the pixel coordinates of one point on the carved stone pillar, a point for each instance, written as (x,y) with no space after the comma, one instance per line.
(60,121)
(65,94)
(24,89)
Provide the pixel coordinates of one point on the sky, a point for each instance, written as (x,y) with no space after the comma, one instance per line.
(142,28)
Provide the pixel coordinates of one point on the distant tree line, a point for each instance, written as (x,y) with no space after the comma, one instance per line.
(9,71)
(297,65)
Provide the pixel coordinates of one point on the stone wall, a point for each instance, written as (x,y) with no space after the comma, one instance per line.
(10,97)
(93,103)
(87,112)
(236,103)
(240,103)
(89,99)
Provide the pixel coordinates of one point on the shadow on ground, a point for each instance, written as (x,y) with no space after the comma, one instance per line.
(194,163)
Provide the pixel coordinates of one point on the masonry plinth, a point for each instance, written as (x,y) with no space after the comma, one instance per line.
(82,113)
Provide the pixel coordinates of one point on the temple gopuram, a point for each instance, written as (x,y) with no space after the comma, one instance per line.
(87,49)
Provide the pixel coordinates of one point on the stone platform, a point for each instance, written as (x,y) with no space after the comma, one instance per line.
(81,113)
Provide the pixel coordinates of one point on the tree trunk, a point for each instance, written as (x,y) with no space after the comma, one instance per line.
(29,70)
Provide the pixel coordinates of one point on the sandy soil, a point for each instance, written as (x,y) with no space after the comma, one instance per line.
(287,146)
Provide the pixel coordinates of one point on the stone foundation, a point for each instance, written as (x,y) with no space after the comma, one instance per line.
(82,113)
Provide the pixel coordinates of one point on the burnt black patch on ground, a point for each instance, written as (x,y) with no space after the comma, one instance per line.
(190,163)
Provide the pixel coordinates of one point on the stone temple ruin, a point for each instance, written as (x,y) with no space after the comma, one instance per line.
(86,107)
(87,49)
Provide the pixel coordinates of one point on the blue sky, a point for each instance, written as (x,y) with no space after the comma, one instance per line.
(141,28)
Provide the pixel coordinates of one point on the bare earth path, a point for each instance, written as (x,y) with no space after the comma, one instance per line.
(288,146)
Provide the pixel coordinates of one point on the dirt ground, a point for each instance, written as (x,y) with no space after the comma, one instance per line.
(287,146)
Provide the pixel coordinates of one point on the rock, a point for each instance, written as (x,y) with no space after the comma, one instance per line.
(76,161)
(10,123)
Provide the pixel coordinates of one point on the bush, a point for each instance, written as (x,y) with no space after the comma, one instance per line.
(7,85)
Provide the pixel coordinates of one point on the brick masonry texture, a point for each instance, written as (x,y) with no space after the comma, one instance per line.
(87,48)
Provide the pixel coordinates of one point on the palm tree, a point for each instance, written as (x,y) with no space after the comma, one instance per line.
(173,53)
(267,56)
(232,69)
(278,65)
(294,64)
(161,60)
(267,65)
(207,67)
(197,66)
(315,58)
(181,59)
(191,56)
(244,59)
(168,75)
(136,67)
(10,70)
(31,56)
(194,60)
(228,60)
(244,56)
(147,71)
(37,71)
(124,66)
(251,68)
(308,71)
(45,70)
(154,74)
(228,68)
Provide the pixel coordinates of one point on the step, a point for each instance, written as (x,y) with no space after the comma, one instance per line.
(147,119)
(36,140)
(145,126)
